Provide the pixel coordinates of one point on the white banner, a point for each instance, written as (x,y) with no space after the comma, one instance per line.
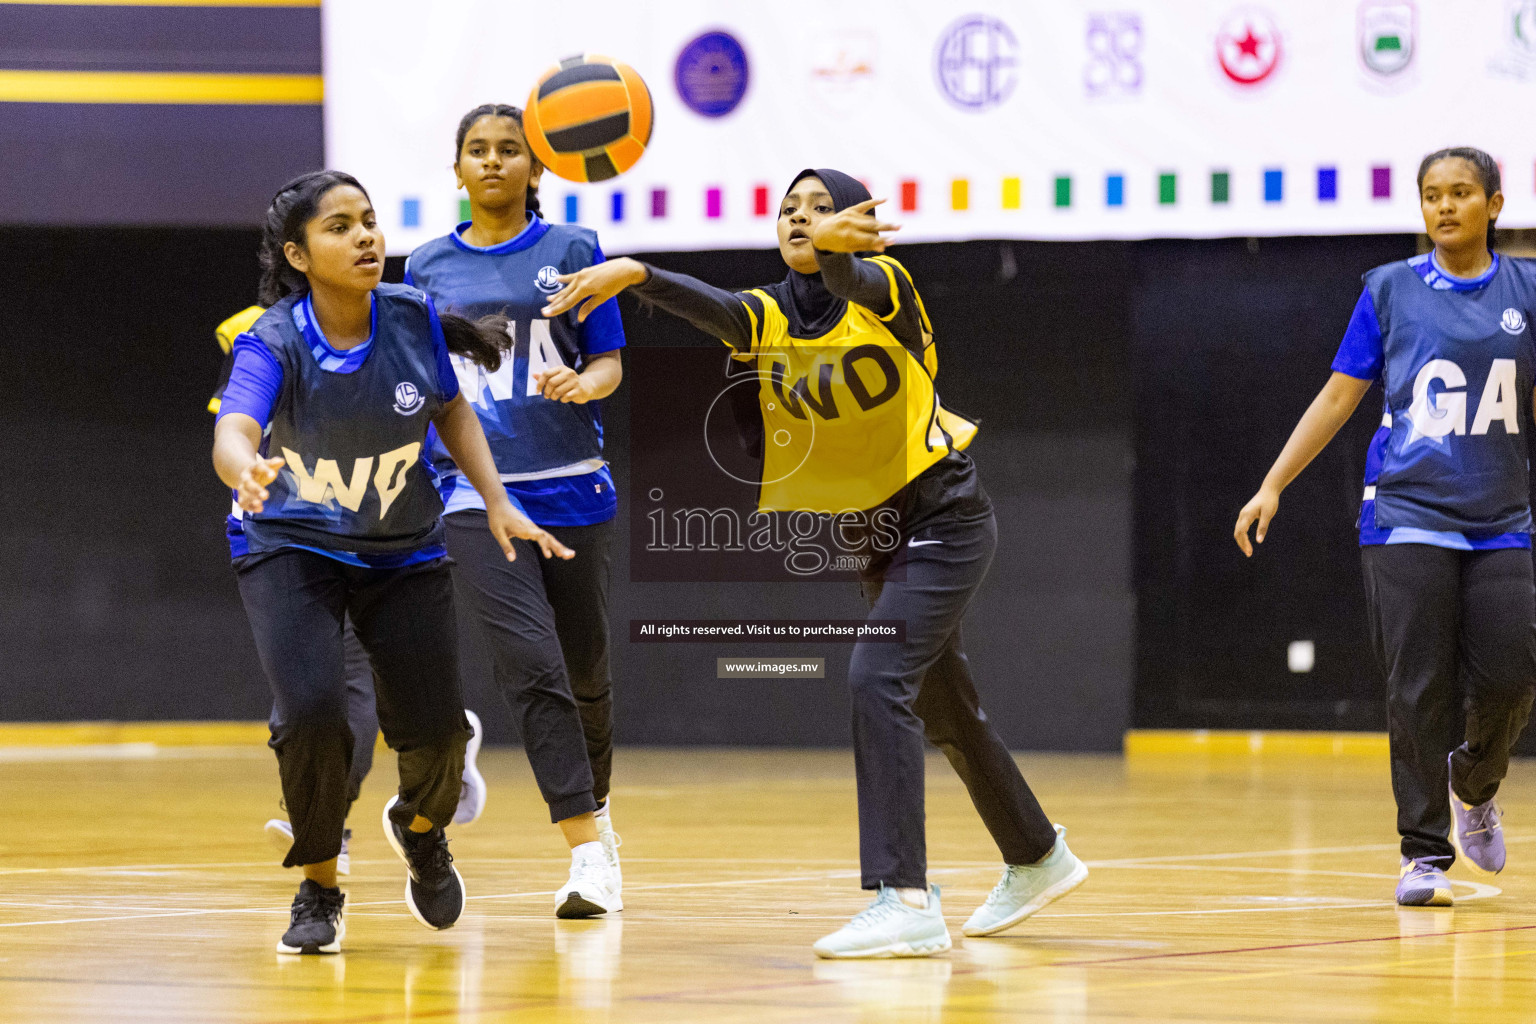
(1041,119)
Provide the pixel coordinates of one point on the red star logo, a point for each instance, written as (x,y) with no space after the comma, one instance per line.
(1248,46)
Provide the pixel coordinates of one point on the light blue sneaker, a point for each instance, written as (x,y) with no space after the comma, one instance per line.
(1025,888)
(1422,883)
(889,928)
(1477,834)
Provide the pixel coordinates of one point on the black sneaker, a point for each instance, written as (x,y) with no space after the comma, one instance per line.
(434,889)
(318,923)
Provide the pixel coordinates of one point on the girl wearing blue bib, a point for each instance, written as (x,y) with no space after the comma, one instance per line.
(321,435)
(545,621)
(1445,523)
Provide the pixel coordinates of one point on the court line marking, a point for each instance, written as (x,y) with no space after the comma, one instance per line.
(696,997)
(1479,891)
(957,865)
(963,971)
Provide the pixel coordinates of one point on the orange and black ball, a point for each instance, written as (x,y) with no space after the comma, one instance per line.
(589,118)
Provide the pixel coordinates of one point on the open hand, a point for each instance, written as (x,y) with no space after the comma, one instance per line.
(596,284)
(853,230)
(252,492)
(507,522)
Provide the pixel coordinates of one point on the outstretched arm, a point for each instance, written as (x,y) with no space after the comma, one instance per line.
(1329,411)
(837,238)
(712,310)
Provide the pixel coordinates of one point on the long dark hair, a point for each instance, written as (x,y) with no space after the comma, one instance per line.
(292,208)
(1487,173)
(497,110)
(484,341)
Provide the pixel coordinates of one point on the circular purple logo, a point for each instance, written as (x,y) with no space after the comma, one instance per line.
(976,62)
(711,74)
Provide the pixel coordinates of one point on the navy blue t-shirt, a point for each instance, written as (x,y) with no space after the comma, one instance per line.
(549,454)
(1455,356)
(351,426)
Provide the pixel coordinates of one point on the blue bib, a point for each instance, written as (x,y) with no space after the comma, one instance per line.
(527,432)
(356,478)
(1457,372)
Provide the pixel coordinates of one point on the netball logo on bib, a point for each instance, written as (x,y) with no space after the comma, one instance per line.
(548,280)
(1513,321)
(407,399)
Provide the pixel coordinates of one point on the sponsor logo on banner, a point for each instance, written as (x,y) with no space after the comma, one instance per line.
(843,67)
(1388,36)
(977,62)
(1518,57)
(711,74)
(1114,54)
(407,399)
(1248,46)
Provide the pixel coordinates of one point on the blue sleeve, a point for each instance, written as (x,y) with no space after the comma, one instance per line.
(447,380)
(409,278)
(1360,353)
(603,331)
(255,381)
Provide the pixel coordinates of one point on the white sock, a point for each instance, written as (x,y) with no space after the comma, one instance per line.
(917,898)
(602,809)
(588,851)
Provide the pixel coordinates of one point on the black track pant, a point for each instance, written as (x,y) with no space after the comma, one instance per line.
(546,623)
(297,602)
(362,713)
(904,692)
(362,718)
(1455,635)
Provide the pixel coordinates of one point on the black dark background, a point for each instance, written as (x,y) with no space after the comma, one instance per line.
(1132,395)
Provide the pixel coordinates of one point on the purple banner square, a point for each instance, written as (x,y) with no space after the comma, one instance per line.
(712,204)
(658,203)
(1381,183)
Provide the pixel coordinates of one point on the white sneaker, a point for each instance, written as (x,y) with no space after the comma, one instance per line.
(590,891)
(611,843)
(280,832)
(1026,888)
(472,791)
(889,928)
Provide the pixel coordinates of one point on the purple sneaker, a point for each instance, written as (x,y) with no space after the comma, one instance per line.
(1423,884)
(1477,835)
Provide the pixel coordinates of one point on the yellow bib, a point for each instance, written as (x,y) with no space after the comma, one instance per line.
(848,418)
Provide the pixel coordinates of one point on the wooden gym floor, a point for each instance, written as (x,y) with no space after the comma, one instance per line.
(137,886)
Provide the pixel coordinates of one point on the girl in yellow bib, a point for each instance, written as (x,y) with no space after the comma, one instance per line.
(845,359)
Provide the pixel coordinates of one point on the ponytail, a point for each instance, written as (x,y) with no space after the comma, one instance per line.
(292,208)
(531,203)
(484,341)
(1487,172)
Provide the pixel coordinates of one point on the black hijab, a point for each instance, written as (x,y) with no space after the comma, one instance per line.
(812,310)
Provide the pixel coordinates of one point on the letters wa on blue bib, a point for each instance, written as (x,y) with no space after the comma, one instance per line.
(1455,357)
(549,454)
(352,428)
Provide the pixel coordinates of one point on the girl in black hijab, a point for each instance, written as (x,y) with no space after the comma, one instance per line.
(844,339)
